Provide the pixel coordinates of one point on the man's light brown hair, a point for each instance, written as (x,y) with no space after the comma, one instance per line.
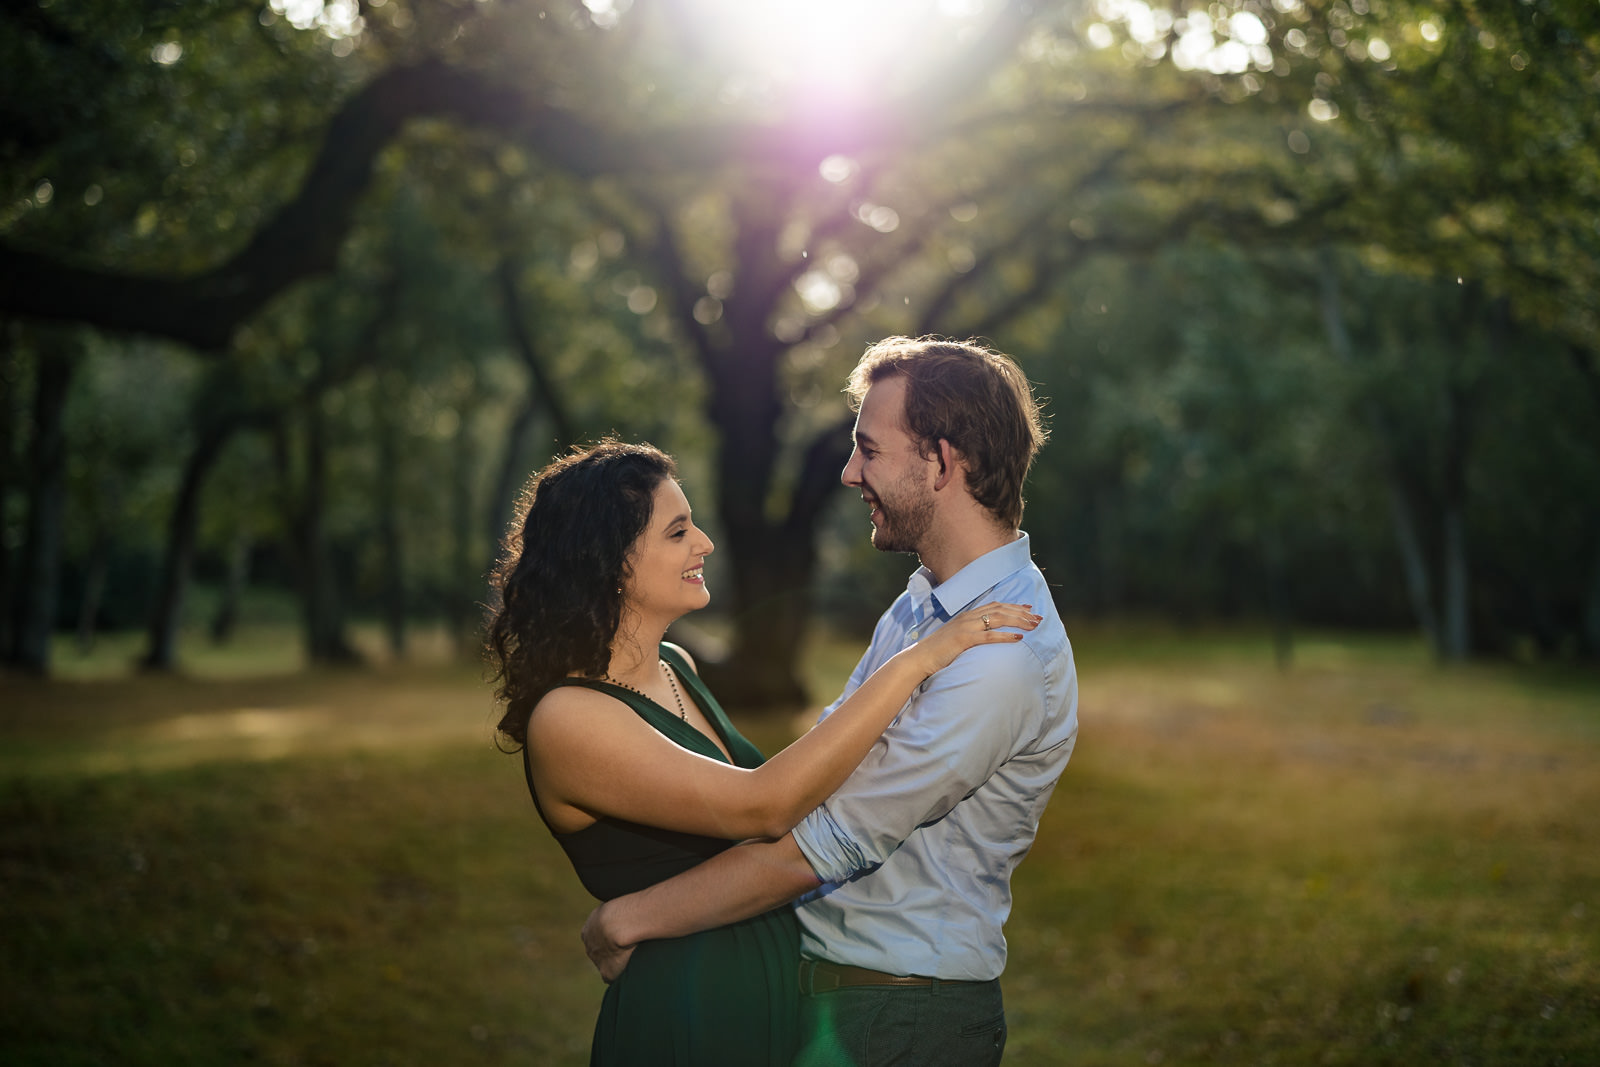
(970,395)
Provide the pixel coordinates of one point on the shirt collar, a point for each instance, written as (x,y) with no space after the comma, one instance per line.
(970,582)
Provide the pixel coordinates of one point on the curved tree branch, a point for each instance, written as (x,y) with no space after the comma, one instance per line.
(304,237)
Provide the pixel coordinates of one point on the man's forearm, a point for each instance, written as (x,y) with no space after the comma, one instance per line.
(745,880)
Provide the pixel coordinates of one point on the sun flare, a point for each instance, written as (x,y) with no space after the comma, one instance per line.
(829,52)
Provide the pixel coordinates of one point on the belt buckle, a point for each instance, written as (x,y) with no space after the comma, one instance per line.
(808,979)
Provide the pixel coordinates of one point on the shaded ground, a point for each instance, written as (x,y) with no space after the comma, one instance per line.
(1363,860)
(154,723)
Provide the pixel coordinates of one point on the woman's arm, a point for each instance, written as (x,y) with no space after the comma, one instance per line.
(592,755)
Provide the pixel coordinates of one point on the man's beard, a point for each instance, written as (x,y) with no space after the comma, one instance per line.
(903,524)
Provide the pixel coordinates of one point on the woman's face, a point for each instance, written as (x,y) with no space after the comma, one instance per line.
(665,562)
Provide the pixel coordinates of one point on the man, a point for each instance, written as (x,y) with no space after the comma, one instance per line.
(908,865)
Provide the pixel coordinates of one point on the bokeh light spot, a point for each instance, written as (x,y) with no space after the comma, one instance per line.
(838,169)
(707,309)
(642,300)
(818,292)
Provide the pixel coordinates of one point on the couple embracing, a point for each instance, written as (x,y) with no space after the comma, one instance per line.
(842,901)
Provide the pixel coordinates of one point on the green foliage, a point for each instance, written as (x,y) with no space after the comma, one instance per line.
(1207,443)
(1132,197)
(163,134)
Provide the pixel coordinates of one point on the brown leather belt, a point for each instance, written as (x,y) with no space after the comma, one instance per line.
(820,976)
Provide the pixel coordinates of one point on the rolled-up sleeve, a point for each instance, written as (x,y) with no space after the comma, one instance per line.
(957,729)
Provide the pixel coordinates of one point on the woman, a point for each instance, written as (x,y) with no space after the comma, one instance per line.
(635,768)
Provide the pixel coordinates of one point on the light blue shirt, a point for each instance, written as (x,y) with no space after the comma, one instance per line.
(916,849)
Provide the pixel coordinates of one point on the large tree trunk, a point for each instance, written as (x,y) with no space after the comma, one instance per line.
(10,464)
(233,586)
(542,398)
(321,607)
(513,470)
(1491,320)
(466,571)
(1456,643)
(1587,363)
(769,541)
(322,603)
(542,389)
(94,588)
(1279,603)
(772,591)
(1413,561)
(325,618)
(1591,612)
(390,547)
(771,566)
(1455,609)
(34,610)
(161,651)
(1402,507)
(774,562)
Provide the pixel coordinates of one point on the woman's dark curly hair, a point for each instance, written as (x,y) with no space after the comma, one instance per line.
(557,587)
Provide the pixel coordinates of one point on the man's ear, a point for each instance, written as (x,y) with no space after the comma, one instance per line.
(948,459)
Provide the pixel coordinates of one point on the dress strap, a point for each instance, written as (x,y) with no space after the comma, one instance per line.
(680,666)
(713,710)
(668,722)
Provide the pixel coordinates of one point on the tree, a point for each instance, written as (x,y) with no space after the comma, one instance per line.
(205,307)
(965,206)
(33,608)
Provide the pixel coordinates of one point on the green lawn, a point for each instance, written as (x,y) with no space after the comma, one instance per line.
(1361,860)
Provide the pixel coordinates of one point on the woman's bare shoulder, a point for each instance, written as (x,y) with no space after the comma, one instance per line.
(567,706)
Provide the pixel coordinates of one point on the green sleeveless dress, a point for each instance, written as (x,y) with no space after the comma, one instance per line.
(727,996)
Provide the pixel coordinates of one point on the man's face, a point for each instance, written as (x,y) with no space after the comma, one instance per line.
(895,479)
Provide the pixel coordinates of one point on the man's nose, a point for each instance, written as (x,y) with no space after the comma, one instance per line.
(851,475)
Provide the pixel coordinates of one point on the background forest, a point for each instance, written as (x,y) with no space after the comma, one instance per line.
(294,296)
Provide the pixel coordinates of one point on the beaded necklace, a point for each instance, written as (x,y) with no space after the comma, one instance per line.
(676,695)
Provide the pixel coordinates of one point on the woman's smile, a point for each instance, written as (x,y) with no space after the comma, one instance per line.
(671,543)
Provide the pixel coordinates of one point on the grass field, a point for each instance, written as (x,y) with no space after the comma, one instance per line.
(1361,860)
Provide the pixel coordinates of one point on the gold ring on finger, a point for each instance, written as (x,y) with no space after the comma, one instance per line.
(985,622)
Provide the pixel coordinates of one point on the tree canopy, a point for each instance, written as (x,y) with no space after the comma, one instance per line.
(1254,250)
